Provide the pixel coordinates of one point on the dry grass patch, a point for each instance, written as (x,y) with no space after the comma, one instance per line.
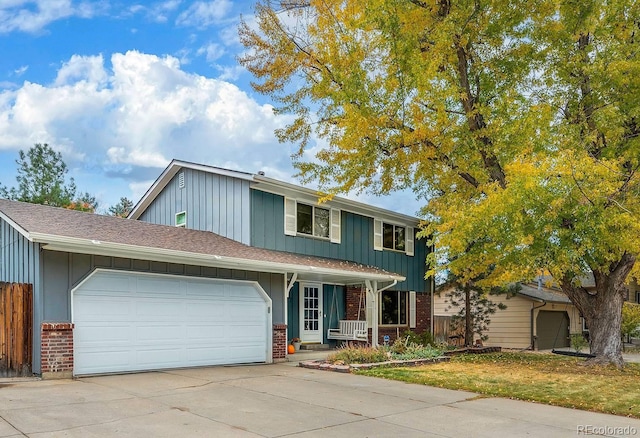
(544,378)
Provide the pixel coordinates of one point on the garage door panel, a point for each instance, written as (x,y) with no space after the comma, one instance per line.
(157,358)
(206,332)
(110,283)
(199,289)
(159,334)
(92,308)
(157,310)
(206,310)
(159,321)
(239,311)
(103,361)
(93,335)
(158,286)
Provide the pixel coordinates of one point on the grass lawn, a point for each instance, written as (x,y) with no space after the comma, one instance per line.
(544,378)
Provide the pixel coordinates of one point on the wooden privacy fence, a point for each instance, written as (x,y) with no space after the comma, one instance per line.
(441,328)
(16,330)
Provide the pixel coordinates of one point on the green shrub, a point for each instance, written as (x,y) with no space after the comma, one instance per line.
(425,338)
(578,342)
(349,355)
(415,351)
(402,349)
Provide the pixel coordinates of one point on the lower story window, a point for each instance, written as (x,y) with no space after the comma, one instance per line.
(393,308)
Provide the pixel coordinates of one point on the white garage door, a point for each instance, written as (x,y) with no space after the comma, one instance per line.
(128,321)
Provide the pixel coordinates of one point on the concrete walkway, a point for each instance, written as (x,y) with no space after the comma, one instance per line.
(276,401)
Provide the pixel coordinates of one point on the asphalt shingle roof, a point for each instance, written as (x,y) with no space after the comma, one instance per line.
(61,222)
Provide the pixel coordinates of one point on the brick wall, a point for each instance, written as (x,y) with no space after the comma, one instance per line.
(353,303)
(279,342)
(423,314)
(56,350)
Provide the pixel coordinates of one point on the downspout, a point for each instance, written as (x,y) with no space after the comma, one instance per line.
(544,303)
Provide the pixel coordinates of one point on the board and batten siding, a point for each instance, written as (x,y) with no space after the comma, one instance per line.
(356,243)
(19,258)
(215,203)
(21,262)
(62,271)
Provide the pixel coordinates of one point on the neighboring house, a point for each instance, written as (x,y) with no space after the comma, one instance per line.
(536,317)
(217,278)
(266,213)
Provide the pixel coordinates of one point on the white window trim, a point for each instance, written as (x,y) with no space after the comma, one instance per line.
(184,224)
(412,309)
(291,220)
(378,238)
(407,324)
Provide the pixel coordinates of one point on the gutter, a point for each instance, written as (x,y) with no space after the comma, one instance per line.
(84,246)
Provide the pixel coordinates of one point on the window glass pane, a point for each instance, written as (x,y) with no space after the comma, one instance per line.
(321,224)
(304,218)
(387,236)
(402,307)
(389,307)
(181,219)
(400,238)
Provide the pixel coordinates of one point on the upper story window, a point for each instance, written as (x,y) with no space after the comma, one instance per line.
(181,219)
(312,220)
(393,237)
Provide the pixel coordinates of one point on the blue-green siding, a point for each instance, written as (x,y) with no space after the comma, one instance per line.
(267,231)
(332,311)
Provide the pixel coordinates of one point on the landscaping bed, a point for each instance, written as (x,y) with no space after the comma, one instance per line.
(348,368)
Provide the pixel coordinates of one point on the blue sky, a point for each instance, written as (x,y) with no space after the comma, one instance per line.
(120,88)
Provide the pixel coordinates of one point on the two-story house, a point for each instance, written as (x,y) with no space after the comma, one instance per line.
(266,213)
(213,266)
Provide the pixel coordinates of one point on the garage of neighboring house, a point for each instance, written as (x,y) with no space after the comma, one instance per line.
(129,321)
(552,329)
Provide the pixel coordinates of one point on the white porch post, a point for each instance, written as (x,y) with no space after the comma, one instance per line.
(372,288)
(288,284)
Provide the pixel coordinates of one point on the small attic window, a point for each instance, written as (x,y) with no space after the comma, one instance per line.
(181,219)
(181,180)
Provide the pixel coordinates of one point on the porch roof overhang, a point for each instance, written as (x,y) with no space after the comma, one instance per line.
(305,272)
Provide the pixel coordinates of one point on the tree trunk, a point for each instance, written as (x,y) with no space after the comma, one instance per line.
(468,317)
(602,309)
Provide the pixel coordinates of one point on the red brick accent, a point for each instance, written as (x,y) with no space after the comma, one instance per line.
(353,303)
(56,350)
(279,342)
(423,314)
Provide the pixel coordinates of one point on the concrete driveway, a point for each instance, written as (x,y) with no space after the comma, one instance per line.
(274,401)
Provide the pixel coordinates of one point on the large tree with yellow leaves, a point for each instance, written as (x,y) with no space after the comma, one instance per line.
(518,121)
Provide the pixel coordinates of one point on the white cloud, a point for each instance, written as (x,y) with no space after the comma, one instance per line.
(34,15)
(211,51)
(142,111)
(20,71)
(204,14)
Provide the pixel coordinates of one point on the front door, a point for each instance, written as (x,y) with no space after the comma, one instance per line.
(311,313)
